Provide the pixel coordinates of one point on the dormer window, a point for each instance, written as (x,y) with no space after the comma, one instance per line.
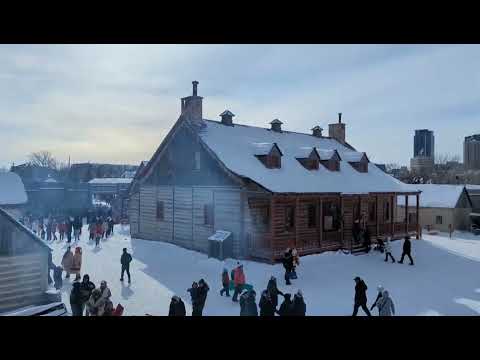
(269,154)
(330,159)
(358,160)
(308,157)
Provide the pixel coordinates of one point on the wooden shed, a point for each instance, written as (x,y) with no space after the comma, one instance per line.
(269,187)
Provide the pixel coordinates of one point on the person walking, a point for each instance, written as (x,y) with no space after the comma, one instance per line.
(273,291)
(125,260)
(407,250)
(111,224)
(225,283)
(288,265)
(299,308)
(61,229)
(69,229)
(91,230)
(388,250)
(385,305)
(266,305)
(54,230)
(239,281)
(360,297)
(67,262)
(98,232)
(76,303)
(86,288)
(77,228)
(177,307)
(194,299)
(379,295)
(77,263)
(51,266)
(248,305)
(105,229)
(202,292)
(95,304)
(49,229)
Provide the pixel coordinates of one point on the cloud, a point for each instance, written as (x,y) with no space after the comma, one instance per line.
(114,103)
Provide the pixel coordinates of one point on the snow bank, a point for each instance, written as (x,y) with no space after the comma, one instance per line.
(12,191)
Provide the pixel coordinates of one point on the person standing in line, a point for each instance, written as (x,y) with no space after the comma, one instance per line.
(286,309)
(385,305)
(273,291)
(266,305)
(177,307)
(379,295)
(239,282)
(67,262)
(225,283)
(77,263)
(360,297)
(248,305)
(407,249)
(86,288)
(76,303)
(125,260)
(299,308)
(388,250)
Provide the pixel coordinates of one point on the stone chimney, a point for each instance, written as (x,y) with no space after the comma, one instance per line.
(227,117)
(276,125)
(192,106)
(337,130)
(317,131)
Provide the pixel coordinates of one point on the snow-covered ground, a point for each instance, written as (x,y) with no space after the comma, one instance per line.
(443,281)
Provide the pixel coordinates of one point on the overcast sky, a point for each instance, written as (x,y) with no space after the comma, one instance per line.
(115,103)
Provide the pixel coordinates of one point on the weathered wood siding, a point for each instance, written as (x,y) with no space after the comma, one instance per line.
(183,217)
(147,223)
(133,214)
(201,231)
(228,216)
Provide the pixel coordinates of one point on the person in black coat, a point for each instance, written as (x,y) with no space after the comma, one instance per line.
(177,307)
(299,308)
(195,299)
(248,305)
(202,292)
(76,303)
(267,308)
(367,241)
(286,309)
(407,249)
(288,265)
(125,260)
(360,297)
(86,288)
(69,230)
(51,266)
(273,291)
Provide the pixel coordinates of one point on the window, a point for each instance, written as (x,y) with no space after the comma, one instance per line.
(261,217)
(438,220)
(160,212)
(197,160)
(386,210)
(331,216)
(372,213)
(289,218)
(312,216)
(208,214)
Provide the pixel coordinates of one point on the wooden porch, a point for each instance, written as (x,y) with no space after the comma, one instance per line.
(324,222)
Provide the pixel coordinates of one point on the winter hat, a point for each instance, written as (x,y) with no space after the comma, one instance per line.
(380,288)
(103,283)
(356,278)
(288,296)
(299,293)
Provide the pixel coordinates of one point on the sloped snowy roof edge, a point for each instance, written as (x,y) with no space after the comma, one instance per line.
(12,190)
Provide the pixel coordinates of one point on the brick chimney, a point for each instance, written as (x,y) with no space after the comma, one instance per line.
(337,130)
(276,125)
(191,106)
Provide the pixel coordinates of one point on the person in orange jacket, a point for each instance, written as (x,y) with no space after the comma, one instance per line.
(239,281)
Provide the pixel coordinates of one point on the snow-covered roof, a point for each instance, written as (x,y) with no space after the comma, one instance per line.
(434,195)
(353,156)
(228,113)
(232,145)
(325,154)
(472,187)
(12,190)
(304,152)
(110,181)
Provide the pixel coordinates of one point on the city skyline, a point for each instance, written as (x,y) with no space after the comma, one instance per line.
(115,103)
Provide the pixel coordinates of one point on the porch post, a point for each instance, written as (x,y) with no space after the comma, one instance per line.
(406,215)
(320,223)
(376,216)
(392,215)
(272,212)
(418,216)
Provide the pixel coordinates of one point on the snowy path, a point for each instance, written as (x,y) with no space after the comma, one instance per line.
(442,282)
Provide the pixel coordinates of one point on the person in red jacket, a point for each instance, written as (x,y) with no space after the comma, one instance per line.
(239,282)
(225,283)
(98,233)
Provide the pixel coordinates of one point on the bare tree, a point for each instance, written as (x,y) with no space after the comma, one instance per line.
(43,158)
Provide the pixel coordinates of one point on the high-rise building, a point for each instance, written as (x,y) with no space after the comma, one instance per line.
(424,143)
(471,152)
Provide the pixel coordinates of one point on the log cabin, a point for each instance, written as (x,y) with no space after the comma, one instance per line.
(269,187)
